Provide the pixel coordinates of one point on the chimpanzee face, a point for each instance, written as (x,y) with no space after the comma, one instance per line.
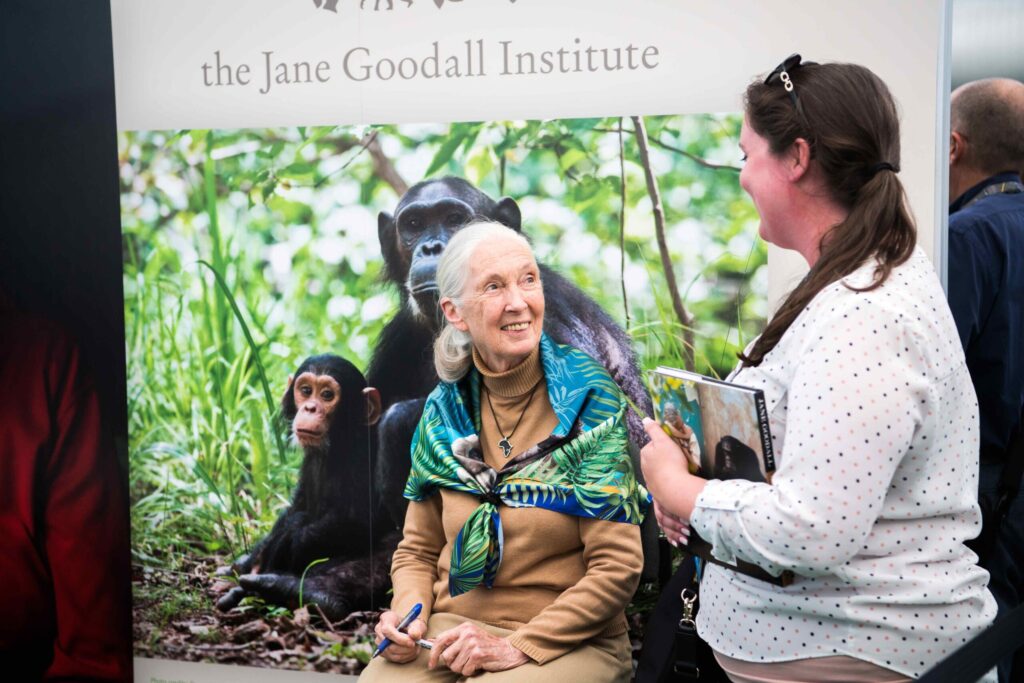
(426,218)
(424,228)
(316,398)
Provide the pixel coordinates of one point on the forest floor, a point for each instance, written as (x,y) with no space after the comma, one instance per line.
(175,618)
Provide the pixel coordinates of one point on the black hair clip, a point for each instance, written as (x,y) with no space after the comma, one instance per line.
(781,72)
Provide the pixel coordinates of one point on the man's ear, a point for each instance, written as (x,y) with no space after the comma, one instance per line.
(957,147)
(373,404)
(452,315)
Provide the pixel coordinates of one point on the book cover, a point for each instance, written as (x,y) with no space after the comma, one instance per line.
(723,430)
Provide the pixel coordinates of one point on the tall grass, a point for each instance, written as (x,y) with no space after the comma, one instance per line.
(203,417)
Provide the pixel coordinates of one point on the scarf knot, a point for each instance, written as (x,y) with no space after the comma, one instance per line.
(491,497)
(582,469)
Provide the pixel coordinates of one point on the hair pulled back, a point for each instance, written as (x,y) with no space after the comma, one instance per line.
(849,118)
(453,348)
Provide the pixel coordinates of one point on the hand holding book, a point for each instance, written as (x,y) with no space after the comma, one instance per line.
(709,429)
(666,470)
(683,435)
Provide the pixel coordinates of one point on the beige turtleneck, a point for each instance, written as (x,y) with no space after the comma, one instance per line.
(515,400)
(563,579)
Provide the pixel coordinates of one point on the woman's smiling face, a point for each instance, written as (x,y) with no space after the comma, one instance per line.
(502,306)
(764,178)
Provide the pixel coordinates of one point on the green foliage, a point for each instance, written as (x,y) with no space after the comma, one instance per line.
(247,250)
(360,649)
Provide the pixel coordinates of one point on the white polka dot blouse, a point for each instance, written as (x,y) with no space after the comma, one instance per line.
(875,426)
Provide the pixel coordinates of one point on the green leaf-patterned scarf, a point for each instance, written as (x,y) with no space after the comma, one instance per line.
(582,469)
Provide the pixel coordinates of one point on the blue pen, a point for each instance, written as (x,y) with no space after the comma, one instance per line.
(404,624)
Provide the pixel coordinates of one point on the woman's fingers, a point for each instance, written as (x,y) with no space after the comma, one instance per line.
(442,643)
(417,629)
(460,648)
(676,530)
(456,657)
(403,648)
(399,654)
(386,618)
(397,637)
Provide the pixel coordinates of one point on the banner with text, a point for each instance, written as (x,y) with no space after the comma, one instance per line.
(290,170)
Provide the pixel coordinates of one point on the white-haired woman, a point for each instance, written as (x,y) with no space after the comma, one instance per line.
(521,539)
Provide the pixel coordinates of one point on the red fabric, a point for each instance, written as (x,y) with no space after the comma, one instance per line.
(64,572)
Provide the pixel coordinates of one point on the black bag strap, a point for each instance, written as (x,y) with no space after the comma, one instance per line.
(657,658)
(982,653)
(672,651)
(685,664)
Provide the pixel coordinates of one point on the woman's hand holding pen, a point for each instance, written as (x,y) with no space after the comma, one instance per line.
(403,646)
(468,649)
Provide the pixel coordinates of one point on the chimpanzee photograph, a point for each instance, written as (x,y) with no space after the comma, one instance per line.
(411,242)
(736,460)
(332,413)
(265,512)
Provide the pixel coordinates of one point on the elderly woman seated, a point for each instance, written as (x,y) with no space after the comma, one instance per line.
(521,539)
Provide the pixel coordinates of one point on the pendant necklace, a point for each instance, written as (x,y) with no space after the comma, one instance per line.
(505,444)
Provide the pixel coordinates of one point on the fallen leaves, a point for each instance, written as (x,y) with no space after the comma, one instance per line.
(175,618)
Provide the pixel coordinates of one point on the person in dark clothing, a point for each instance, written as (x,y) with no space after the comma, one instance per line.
(64,567)
(986,295)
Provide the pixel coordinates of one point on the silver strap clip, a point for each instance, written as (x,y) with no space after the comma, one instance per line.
(689,597)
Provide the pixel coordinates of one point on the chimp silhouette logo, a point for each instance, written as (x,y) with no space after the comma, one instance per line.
(332,5)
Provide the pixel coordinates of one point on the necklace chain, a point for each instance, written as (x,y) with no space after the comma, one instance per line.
(505,444)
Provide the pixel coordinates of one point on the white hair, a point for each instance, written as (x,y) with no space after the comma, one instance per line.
(453,348)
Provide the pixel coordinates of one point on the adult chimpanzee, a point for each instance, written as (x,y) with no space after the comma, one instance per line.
(402,367)
(736,460)
(331,411)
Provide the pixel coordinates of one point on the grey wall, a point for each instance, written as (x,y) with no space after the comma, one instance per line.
(988,39)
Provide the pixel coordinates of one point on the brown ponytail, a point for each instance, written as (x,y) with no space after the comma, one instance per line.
(849,118)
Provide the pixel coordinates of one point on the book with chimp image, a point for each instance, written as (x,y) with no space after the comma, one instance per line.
(723,430)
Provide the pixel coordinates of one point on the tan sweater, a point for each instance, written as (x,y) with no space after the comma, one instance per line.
(563,579)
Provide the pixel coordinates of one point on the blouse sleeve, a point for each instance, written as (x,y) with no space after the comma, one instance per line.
(858,396)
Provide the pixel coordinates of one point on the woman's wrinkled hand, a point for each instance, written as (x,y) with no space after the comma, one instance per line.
(403,646)
(677,531)
(468,649)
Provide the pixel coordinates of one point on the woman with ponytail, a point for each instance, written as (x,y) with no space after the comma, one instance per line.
(521,541)
(872,412)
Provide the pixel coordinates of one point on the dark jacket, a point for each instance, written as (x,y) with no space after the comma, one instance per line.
(986,295)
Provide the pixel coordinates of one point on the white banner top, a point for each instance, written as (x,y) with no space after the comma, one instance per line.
(202,64)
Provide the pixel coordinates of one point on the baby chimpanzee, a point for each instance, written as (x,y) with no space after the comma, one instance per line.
(331,412)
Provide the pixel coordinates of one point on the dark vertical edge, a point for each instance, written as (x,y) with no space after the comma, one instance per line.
(764,429)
